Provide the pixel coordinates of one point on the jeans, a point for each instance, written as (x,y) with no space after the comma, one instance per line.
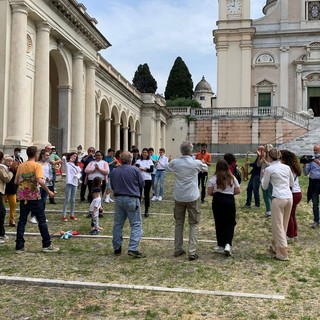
(44,196)
(33,206)
(179,211)
(2,216)
(127,207)
(51,188)
(159,177)
(70,195)
(202,181)
(315,201)
(253,186)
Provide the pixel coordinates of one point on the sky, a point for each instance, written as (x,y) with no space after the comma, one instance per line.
(156,32)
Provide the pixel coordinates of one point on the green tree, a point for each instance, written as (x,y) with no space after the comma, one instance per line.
(143,80)
(179,84)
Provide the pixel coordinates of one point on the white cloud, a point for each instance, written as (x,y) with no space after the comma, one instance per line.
(157,32)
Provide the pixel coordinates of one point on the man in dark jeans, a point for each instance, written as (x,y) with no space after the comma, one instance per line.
(29,176)
(254,182)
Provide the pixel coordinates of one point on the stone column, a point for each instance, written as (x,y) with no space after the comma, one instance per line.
(97,133)
(125,138)
(41,90)
(163,135)
(117,136)
(90,109)
(246,49)
(222,50)
(158,135)
(65,98)
(138,144)
(77,108)
(17,82)
(298,106)
(108,133)
(133,137)
(284,77)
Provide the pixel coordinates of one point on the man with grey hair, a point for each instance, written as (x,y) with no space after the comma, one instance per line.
(127,184)
(186,194)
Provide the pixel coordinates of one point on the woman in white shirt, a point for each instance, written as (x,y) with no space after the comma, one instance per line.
(223,186)
(97,168)
(290,159)
(73,175)
(281,178)
(145,164)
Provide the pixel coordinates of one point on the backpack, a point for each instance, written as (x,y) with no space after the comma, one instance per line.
(237,173)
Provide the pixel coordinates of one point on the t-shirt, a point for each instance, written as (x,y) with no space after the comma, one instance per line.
(95,204)
(27,175)
(145,164)
(228,190)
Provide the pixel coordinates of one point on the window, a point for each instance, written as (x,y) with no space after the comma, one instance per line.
(313,10)
(264,99)
(202,98)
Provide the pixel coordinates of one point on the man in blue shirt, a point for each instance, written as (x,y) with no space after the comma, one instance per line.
(127,184)
(313,168)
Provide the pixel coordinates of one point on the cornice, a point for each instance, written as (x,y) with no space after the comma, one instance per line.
(74,13)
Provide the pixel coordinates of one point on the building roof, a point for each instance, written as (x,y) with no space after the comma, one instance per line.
(203,85)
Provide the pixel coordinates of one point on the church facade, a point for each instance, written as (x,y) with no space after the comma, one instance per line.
(268,78)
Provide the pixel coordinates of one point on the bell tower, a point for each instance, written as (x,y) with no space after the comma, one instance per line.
(233,42)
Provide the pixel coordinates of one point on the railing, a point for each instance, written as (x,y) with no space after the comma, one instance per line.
(238,112)
(183,111)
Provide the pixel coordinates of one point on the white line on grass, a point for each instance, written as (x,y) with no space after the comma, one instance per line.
(105,286)
(35,234)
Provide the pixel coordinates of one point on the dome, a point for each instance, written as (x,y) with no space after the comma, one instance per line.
(269,4)
(203,85)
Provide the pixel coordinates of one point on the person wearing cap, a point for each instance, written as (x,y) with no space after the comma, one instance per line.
(55,162)
(94,210)
(5,177)
(85,161)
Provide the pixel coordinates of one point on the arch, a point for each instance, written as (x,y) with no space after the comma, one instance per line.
(103,128)
(265,58)
(60,97)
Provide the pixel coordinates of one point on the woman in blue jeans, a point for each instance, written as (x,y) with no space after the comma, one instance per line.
(73,174)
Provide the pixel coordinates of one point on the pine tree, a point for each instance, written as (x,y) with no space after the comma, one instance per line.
(179,84)
(143,80)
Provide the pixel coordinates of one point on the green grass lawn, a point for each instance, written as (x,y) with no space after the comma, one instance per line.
(250,270)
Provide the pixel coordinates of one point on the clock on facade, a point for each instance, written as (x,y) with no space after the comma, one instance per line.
(234,6)
(314,10)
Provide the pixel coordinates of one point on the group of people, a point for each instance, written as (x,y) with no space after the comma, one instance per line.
(131,176)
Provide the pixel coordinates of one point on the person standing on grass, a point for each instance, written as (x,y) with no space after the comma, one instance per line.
(112,163)
(186,194)
(145,165)
(160,175)
(73,175)
(154,157)
(223,186)
(204,156)
(290,159)
(281,178)
(5,176)
(94,210)
(127,184)
(313,170)
(29,176)
(254,181)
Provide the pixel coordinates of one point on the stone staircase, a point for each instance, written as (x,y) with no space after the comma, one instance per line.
(304,144)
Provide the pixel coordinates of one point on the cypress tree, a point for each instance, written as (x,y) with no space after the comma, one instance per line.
(143,80)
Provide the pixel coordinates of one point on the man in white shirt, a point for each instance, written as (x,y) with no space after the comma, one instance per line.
(186,194)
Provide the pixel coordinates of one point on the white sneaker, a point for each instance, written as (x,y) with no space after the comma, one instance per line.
(227,250)
(290,240)
(106,200)
(111,200)
(33,220)
(154,198)
(268,214)
(2,241)
(159,198)
(219,250)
